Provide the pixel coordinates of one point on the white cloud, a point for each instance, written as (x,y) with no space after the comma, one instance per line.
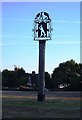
(18,44)
(48,43)
(65,21)
(18,19)
(65,42)
(56,21)
(7,44)
(64,35)
(15,36)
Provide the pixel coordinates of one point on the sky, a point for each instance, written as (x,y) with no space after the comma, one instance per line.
(18,46)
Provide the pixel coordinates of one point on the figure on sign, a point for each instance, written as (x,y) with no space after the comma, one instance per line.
(43,34)
(42,29)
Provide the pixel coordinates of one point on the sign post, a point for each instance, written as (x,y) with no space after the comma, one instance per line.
(42,33)
(41,80)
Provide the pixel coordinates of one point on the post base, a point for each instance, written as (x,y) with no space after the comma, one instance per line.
(41,97)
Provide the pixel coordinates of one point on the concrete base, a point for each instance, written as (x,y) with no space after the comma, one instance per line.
(41,97)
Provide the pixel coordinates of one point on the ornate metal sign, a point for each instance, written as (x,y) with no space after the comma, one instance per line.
(42,26)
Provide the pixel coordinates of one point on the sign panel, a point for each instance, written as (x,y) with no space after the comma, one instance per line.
(42,26)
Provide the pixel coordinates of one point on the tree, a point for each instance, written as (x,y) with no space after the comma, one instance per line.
(67,74)
(13,79)
(48,81)
(20,76)
(80,72)
(8,79)
(5,78)
(0,80)
(74,82)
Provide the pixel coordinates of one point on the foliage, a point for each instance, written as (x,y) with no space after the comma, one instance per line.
(48,81)
(13,79)
(0,80)
(68,74)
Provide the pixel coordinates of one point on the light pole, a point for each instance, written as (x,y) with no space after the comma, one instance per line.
(42,33)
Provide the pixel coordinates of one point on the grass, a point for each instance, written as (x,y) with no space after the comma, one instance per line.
(48,108)
(51,104)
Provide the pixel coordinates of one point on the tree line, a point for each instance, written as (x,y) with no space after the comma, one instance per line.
(67,76)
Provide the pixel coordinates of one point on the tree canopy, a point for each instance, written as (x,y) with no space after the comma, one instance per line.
(67,75)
